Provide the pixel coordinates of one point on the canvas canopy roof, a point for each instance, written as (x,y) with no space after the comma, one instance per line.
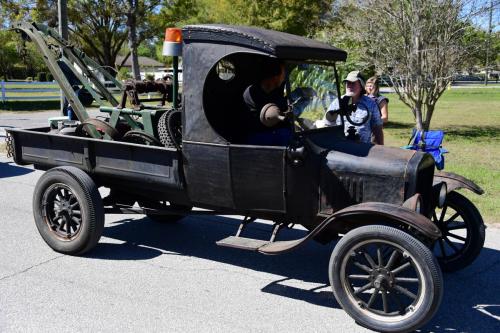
(278,44)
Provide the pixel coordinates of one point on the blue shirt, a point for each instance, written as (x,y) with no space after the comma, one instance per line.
(365,106)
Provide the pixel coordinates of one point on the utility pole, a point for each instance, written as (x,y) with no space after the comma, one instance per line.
(62,11)
(488,46)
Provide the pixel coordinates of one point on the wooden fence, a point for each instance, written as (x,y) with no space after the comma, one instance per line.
(22,91)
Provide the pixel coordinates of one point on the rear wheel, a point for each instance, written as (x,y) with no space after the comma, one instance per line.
(385,279)
(68,210)
(463,233)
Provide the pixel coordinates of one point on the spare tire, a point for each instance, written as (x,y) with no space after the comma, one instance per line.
(170,129)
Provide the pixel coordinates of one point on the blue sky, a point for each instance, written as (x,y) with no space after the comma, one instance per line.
(482,20)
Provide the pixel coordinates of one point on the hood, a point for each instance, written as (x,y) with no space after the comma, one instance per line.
(355,172)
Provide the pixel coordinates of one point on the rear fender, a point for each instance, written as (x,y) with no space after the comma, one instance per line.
(454,182)
(359,215)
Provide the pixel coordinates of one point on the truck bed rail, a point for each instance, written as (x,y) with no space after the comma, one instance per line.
(138,165)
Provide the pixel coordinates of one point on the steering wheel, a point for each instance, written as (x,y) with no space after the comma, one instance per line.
(300,95)
(347,107)
(352,122)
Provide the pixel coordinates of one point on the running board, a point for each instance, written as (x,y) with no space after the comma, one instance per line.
(262,246)
(271,247)
(242,243)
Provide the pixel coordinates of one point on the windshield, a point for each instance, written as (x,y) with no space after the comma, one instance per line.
(312,89)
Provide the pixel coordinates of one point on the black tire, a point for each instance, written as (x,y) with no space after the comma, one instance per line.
(141,138)
(168,218)
(170,129)
(463,233)
(58,194)
(397,303)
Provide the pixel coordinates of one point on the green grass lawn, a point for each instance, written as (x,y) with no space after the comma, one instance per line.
(471,120)
(13,85)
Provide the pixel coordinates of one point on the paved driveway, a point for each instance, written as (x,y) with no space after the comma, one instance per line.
(145,276)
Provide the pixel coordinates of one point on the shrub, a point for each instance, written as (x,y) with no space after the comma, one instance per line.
(150,77)
(50,77)
(29,79)
(123,74)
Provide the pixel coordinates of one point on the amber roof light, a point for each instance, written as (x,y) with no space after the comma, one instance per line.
(173,35)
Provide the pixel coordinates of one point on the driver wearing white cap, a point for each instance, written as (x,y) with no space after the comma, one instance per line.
(369,131)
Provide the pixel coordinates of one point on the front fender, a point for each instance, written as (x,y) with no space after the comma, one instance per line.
(355,216)
(365,213)
(454,181)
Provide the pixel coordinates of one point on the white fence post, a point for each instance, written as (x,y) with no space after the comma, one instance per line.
(2,85)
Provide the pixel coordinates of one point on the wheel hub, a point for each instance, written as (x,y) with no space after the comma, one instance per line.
(65,208)
(62,211)
(381,278)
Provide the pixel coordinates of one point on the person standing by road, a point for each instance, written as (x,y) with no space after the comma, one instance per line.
(372,91)
(366,108)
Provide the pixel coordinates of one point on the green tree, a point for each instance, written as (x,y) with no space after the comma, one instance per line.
(477,41)
(419,44)
(98,28)
(338,32)
(301,17)
(8,54)
(27,60)
(138,19)
(28,10)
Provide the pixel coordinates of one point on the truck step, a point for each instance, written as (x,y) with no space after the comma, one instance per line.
(242,243)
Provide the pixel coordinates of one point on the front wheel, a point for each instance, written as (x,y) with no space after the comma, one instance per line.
(68,210)
(463,233)
(385,279)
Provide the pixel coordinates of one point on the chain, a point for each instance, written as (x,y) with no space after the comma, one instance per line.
(10,144)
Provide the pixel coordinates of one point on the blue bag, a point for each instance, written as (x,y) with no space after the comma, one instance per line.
(429,142)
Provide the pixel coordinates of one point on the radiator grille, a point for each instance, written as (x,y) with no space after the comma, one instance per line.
(354,186)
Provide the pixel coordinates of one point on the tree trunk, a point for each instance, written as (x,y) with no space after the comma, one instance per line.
(132,38)
(418,117)
(428,117)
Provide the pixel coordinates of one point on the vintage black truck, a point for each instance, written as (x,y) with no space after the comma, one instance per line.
(396,219)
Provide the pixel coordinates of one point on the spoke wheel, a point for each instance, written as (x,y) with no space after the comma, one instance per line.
(463,233)
(101,126)
(61,211)
(68,210)
(385,279)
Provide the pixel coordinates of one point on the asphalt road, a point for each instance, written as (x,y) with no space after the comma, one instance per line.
(145,276)
(29,119)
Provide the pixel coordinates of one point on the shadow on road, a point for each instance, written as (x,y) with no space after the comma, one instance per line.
(8,170)
(471,301)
